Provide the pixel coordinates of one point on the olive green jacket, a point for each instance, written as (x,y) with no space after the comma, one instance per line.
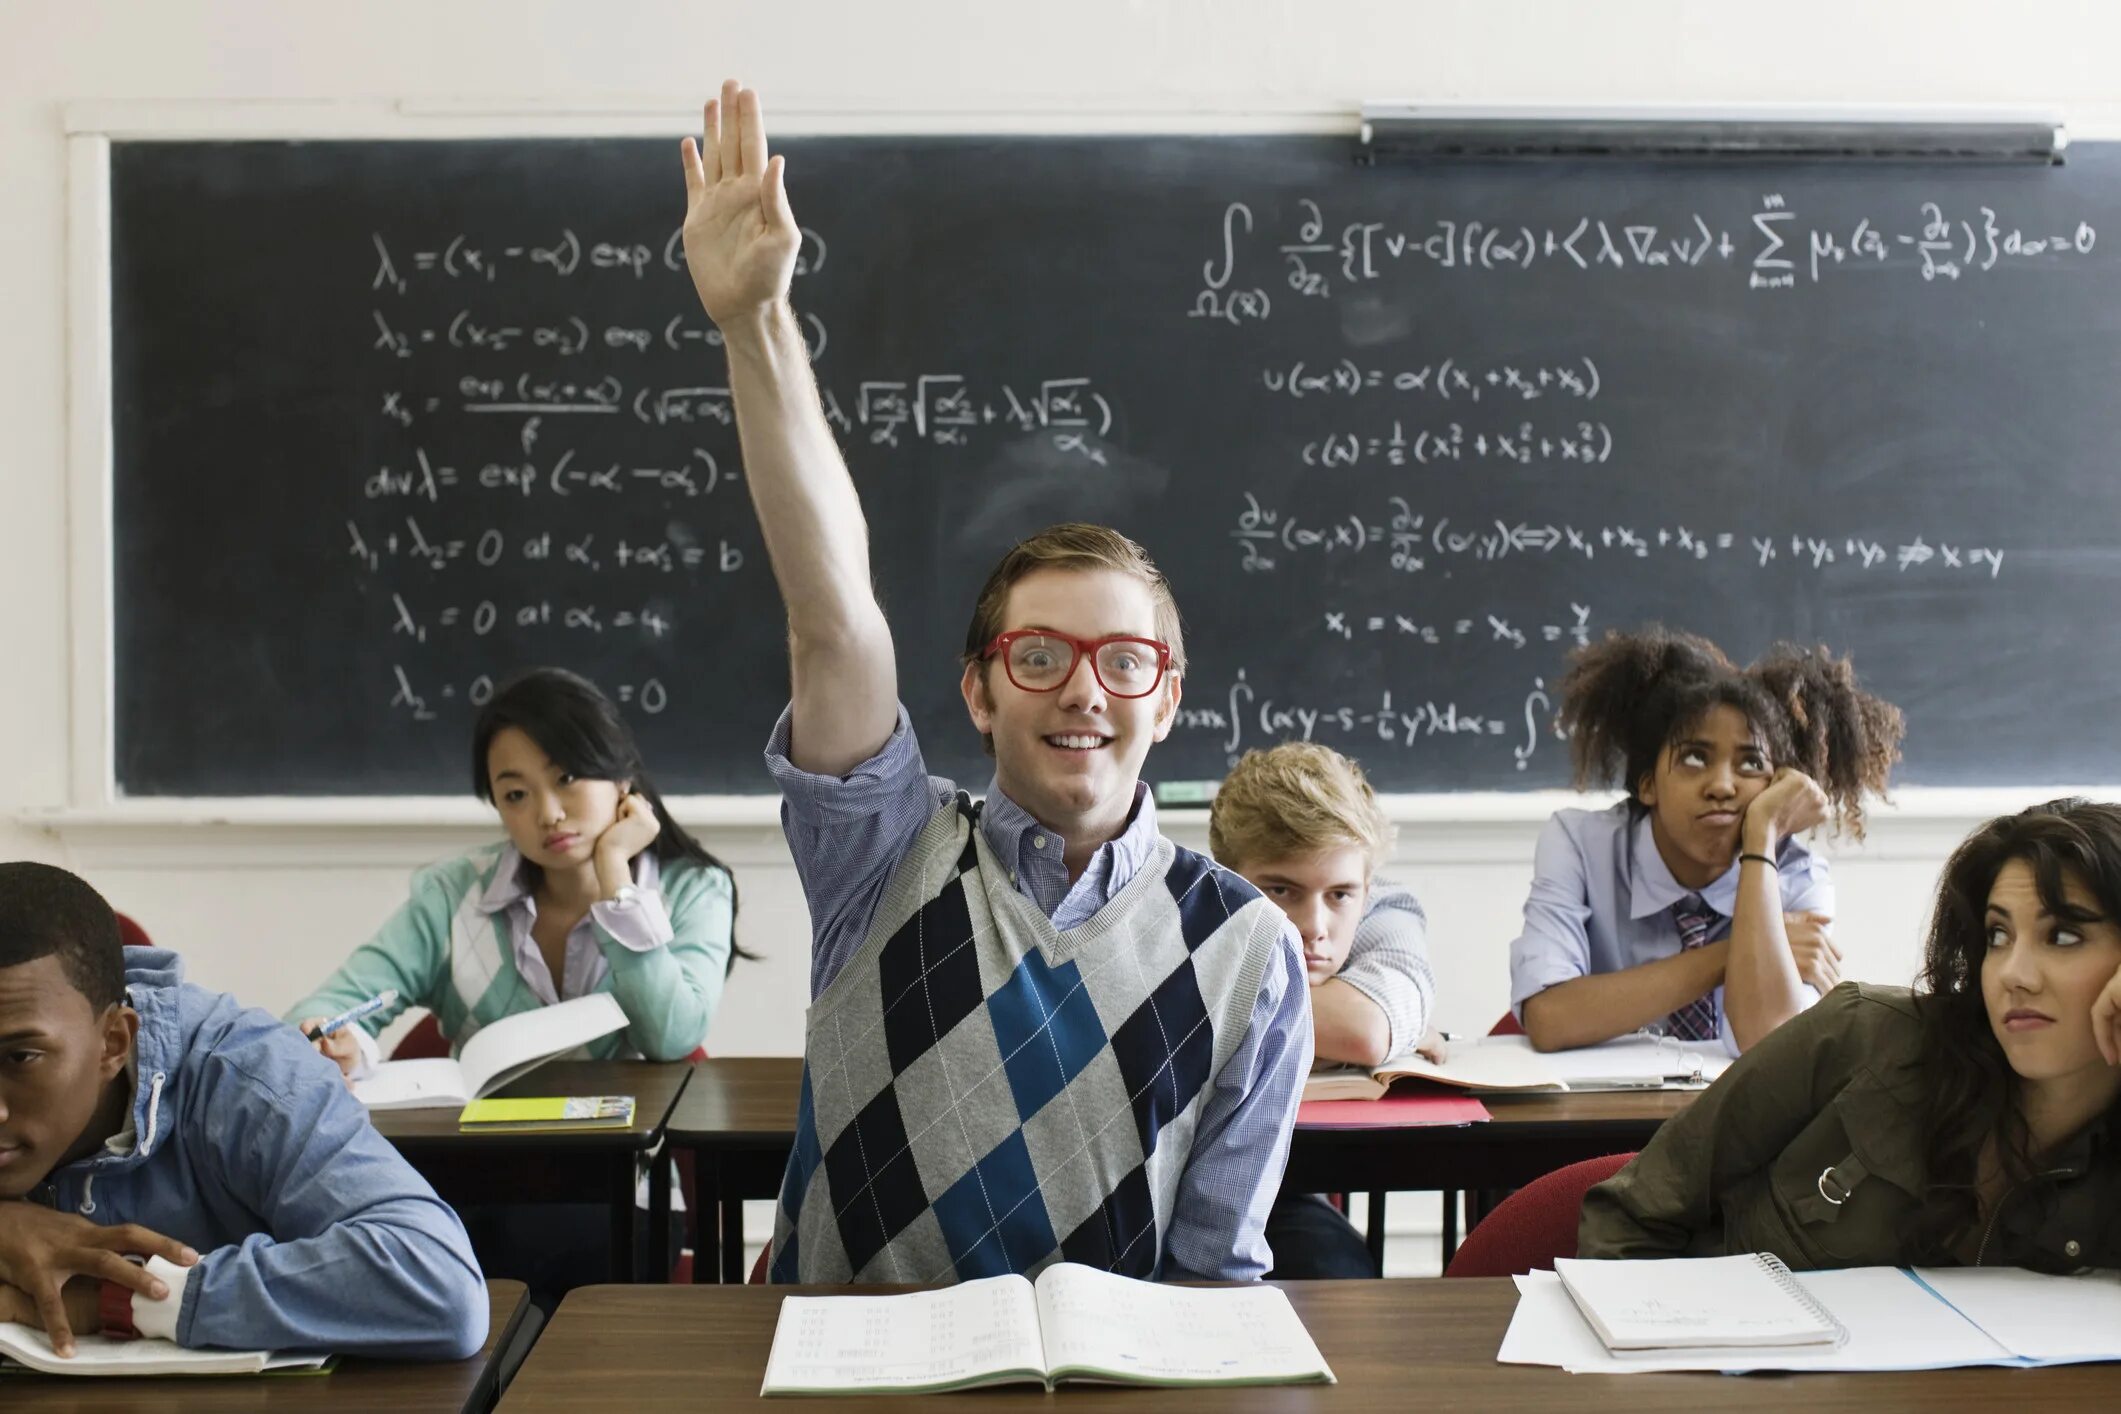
(1810,1147)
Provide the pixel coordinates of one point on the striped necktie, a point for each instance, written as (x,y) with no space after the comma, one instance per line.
(1696,1021)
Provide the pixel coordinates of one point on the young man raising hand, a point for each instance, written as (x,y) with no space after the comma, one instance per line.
(1039,1030)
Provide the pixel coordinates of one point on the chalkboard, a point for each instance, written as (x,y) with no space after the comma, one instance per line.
(393,419)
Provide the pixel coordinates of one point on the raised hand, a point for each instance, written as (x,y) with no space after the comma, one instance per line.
(740,237)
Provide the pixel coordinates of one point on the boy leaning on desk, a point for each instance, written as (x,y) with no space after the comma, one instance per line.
(145,1118)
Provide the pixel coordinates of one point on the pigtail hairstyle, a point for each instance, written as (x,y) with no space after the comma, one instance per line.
(1629,696)
(1625,696)
(1841,736)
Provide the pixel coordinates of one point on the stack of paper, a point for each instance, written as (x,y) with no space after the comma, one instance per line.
(1896,1320)
(100,1355)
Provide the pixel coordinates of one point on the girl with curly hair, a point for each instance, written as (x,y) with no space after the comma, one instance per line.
(1691,908)
(1975,1120)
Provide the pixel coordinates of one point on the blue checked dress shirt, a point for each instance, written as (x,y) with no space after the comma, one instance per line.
(848,834)
(1602,898)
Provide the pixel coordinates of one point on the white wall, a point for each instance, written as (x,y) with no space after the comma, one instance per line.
(263,910)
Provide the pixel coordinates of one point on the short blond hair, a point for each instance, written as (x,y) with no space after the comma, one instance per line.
(1296,799)
(1074,546)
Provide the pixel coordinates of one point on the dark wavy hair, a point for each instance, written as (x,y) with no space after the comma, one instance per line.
(582,731)
(1970,1089)
(1630,695)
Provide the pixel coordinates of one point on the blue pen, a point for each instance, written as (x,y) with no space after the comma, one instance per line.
(349,1017)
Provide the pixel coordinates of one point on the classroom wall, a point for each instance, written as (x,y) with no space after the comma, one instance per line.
(265,910)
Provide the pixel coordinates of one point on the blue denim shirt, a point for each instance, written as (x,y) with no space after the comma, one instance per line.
(848,835)
(313,1233)
(1602,899)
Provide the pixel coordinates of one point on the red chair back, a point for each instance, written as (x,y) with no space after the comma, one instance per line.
(1508,1026)
(424,1042)
(1534,1225)
(131,934)
(758,1268)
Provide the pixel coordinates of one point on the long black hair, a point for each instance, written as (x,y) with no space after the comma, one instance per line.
(582,731)
(1971,1091)
(1630,695)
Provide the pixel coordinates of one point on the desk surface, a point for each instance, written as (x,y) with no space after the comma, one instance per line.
(655,1086)
(740,1101)
(744,1101)
(1395,1345)
(356,1386)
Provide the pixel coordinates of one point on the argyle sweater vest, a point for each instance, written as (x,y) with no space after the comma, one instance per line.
(984,1095)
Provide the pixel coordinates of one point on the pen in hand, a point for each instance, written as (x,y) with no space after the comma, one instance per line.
(348,1017)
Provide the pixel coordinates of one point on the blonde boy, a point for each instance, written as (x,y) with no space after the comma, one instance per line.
(1302,825)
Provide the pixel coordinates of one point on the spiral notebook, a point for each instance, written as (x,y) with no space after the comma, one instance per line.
(1681,1303)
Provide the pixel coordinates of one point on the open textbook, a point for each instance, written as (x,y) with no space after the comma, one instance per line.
(100,1355)
(499,1053)
(1074,1323)
(1896,1319)
(1503,1063)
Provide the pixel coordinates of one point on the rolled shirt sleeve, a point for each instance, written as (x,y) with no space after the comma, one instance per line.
(1389,963)
(1555,945)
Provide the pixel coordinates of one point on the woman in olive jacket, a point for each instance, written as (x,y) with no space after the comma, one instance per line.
(1973,1121)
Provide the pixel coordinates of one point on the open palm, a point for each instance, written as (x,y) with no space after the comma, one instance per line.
(740,236)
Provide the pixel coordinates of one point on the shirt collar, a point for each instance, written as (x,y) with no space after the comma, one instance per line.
(510,884)
(1651,887)
(1010,830)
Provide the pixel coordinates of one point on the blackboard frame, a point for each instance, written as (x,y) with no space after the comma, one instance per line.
(92,128)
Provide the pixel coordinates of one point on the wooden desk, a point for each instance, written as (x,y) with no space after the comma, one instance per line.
(1395,1346)
(357,1386)
(1529,1135)
(738,1118)
(588,1166)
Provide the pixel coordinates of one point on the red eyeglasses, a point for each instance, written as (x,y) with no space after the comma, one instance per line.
(1040,660)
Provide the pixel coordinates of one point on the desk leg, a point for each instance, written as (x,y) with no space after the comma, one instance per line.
(1375,1237)
(733,1240)
(1450,1225)
(623,1266)
(661,1173)
(707,1222)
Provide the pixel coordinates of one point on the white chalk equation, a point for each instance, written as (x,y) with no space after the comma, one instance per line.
(565,336)
(561,254)
(697,473)
(1526,444)
(495,547)
(648,696)
(1244,715)
(932,409)
(1774,246)
(485,616)
(1488,628)
(1453,380)
(1265,536)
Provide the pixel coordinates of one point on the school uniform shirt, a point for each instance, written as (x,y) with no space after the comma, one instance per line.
(1388,962)
(1811,1146)
(1602,901)
(244,1143)
(461,946)
(848,836)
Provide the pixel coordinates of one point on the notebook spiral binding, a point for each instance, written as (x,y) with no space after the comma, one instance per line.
(1783,1277)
